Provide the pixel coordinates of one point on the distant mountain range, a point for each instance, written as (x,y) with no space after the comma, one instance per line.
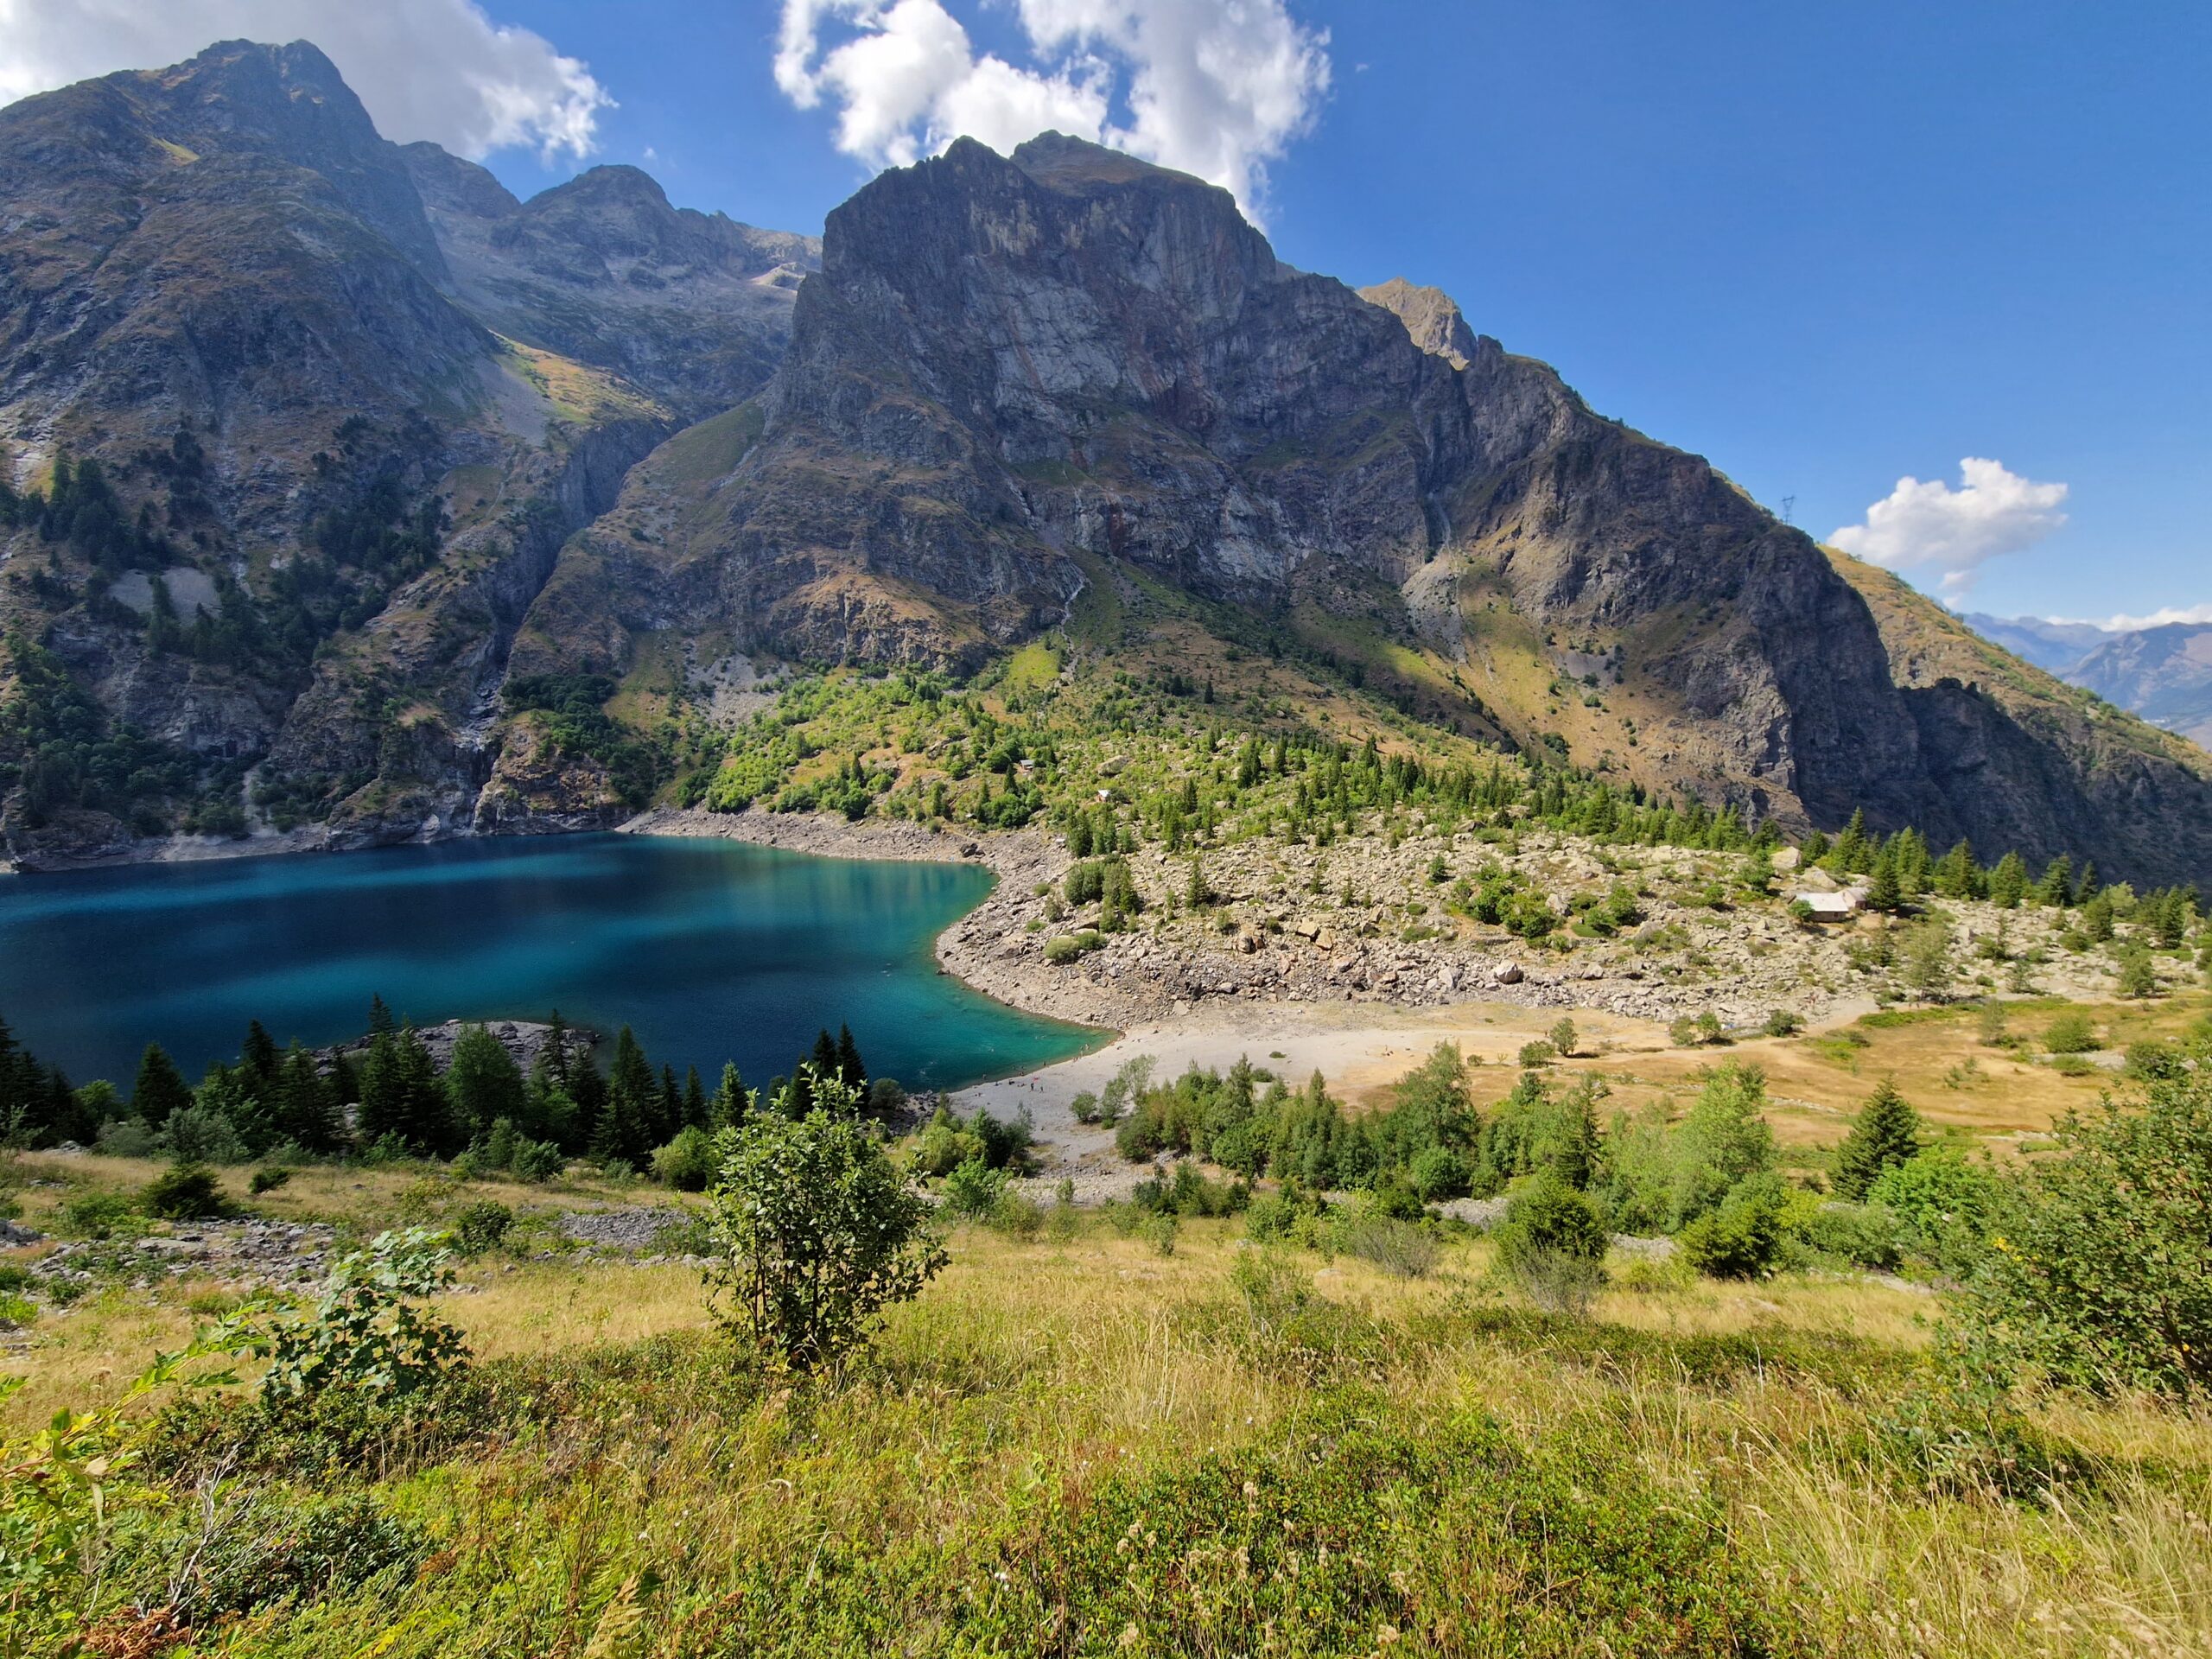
(399,480)
(2163,673)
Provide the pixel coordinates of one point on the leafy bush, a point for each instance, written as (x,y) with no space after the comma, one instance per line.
(1942,1202)
(2072,1033)
(268,1178)
(1405,1249)
(1066,947)
(973,1190)
(365,1331)
(1551,1245)
(2097,1267)
(481,1227)
(686,1163)
(1742,1238)
(101,1215)
(1293,1216)
(184,1192)
(815,1232)
(1537,1054)
(1782,1022)
(263,1548)
(1865,1235)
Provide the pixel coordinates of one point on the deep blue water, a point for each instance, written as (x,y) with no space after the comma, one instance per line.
(711,950)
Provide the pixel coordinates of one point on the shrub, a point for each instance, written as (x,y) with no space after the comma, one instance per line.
(1439,1173)
(481,1227)
(973,1190)
(1551,1245)
(2098,1267)
(1084,1108)
(1782,1022)
(101,1215)
(365,1331)
(196,1134)
(1942,1202)
(1867,1235)
(2138,977)
(1069,946)
(266,1547)
(2071,1033)
(1536,1054)
(1742,1239)
(1293,1216)
(686,1163)
(184,1192)
(1405,1249)
(268,1178)
(815,1232)
(1565,1038)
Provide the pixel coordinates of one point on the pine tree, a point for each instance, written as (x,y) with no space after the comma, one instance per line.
(401,1095)
(2008,882)
(381,1024)
(589,1089)
(483,1083)
(668,1117)
(695,1100)
(1853,855)
(824,1059)
(305,1113)
(1887,1134)
(731,1100)
(1957,876)
(161,1089)
(1884,890)
(850,1072)
(625,1128)
(258,1054)
(2056,888)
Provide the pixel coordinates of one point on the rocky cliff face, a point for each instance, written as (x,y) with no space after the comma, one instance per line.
(693,307)
(1013,375)
(289,443)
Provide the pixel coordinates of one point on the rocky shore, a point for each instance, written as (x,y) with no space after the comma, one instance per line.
(1270,937)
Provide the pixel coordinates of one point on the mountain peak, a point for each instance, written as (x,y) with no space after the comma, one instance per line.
(1431,316)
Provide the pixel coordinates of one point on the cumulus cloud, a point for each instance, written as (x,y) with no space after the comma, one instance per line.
(1953,533)
(2157,619)
(1218,88)
(435,69)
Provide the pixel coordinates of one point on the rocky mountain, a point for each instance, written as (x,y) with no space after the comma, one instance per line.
(1017,376)
(2164,673)
(420,510)
(292,424)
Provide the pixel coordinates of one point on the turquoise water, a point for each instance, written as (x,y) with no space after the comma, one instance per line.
(711,950)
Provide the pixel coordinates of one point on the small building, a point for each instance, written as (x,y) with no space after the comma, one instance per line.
(1832,906)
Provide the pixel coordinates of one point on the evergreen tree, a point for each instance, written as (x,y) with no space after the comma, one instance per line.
(625,1128)
(1853,855)
(161,1089)
(1887,1134)
(589,1089)
(381,1024)
(554,1057)
(2087,886)
(2008,882)
(668,1117)
(731,1101)
(850,1072)
(305,1113)
(2056,888)
(258,1055)
(483,1084)
(695,1100)
(1957,875)
(401,1095)
(824,1059)
(1884,893)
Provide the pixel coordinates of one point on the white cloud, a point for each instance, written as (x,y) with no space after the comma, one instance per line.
(1218,88)
(1953,532)
(435,69)
(2157,619)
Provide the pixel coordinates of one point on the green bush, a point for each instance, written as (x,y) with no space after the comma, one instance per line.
(267,1179)
(1068,946)
(366,1332)
(2097,1266)
(2072,1033)
(686,1163)
(101,1215)
(481,1227)
(185,1193)
(1551,1244)
(1742,1238)
(272,1548)
(973,1190)
(816,1231)
(1941,1201)
(1865,1235)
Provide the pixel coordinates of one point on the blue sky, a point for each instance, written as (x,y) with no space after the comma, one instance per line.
(1828,247)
